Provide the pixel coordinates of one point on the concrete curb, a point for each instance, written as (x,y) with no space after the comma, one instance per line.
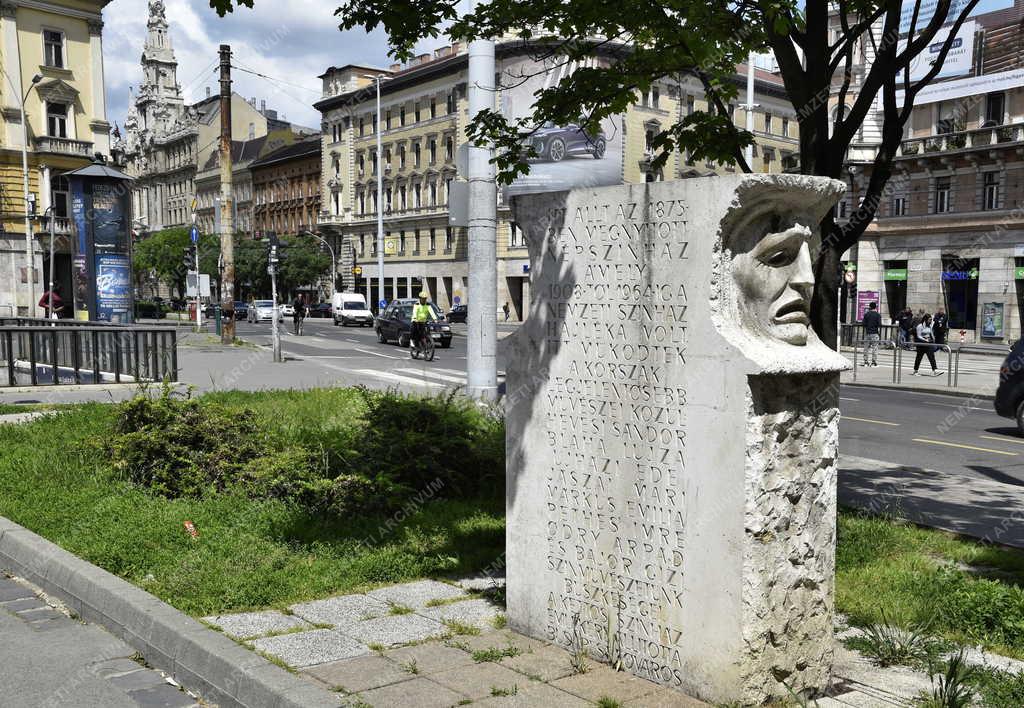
(937,391)
(205,661)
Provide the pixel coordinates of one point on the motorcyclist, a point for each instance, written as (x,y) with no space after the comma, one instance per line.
(422,312)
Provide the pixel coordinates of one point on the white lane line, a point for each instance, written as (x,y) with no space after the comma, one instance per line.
(370,351)
(395,377)
(950,405)
(347,339)
(855,400)
(435,373)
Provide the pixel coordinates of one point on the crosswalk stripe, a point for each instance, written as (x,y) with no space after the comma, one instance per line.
(458,378)
(387,376)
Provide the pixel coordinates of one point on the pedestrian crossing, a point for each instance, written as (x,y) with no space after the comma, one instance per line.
(426,377)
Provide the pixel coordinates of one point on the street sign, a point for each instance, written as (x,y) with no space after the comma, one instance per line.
(204,285)
(357,270)
(383,303)
(194,233)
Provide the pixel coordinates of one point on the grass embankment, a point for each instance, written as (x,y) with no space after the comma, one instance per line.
(57,481)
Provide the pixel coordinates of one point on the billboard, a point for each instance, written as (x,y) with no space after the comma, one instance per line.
(959,60)
(968,86)
(567,156)
(113,288)
(926,11)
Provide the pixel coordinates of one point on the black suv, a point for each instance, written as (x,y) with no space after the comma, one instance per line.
(554,143)
(1009,401)
(395,323)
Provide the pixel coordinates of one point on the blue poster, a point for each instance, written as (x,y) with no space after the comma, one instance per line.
(113,288)
(926,11)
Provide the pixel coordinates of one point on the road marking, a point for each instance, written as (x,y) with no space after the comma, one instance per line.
(435,373)
(855,400)
(965,447)
(369,351)
(1002,439)
(869,420)
(395,377)
(347,339)
(950,405)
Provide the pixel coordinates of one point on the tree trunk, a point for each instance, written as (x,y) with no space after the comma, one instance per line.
(825,300)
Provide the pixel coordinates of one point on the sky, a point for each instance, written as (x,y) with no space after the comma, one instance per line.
(293,53)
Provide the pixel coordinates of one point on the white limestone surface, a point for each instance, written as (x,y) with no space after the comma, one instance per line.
(672,434)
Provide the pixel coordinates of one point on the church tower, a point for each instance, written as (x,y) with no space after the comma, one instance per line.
(160,103)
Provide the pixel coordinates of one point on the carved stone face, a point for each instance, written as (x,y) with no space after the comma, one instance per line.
(776,280)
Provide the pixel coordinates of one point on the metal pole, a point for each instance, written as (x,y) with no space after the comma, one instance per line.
(275,331)
(29,251)
(380,207)
(199,296)
(50,209)
(227,213)
(748,152)
(481,361)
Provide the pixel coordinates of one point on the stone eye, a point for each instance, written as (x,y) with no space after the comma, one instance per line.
(778,258)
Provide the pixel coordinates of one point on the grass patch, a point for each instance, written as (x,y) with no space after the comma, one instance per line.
(888,645)
(410,667)
(499,621)
(400,610)
(458,627)
(889,573)
(495,691)
(606,702)
(495,654)
(249,553)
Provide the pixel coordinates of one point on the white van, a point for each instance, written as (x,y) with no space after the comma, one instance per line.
(350,308)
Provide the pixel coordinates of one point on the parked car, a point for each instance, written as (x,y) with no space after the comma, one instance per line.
(458,313)
(1009,401)
(288,310)
(323,309)
(554,143)
(263,311)
(241,310)
(395,324)
(350,308)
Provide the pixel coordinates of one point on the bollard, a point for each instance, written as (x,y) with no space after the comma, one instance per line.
(218,318)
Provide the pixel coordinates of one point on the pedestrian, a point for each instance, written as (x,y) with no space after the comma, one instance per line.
(506,310)
(940,325)
(903,328)
(925,345)
(58,302)
(873,333)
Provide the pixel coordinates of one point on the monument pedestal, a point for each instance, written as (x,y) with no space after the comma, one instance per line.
(672,434)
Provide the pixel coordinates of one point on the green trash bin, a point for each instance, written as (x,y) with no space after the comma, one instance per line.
(218,319)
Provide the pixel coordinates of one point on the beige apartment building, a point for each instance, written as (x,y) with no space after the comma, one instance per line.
(424,116)
(52,54)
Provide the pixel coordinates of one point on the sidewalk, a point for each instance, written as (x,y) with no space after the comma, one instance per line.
(978,374)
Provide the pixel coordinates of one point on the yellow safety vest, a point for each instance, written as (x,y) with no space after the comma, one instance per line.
(420,313)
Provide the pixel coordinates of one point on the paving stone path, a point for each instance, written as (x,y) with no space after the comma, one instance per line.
(48,659)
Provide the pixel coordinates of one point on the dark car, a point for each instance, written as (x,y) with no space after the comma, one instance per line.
(395,324)
(1009,401)
(324,309)
(241,310)
(554,143)
(458,313)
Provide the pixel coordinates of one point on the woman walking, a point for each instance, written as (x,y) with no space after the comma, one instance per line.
(925,345)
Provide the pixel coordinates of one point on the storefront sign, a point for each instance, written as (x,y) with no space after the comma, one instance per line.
(971,274)
(1018,273)
(113,288)
(895,274)
(864,299)
(992,319)
(970,86)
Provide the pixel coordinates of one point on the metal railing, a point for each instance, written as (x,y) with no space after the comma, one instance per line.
(73,352)
(855,330)
(897,358)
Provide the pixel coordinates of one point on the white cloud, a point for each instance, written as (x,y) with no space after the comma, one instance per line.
(292,41)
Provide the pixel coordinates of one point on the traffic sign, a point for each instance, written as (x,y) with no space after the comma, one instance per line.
(194,233)
(357,270)
(383,303)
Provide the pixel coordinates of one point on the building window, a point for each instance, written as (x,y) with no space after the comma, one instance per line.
(946,121)
(768,122)
(995,105)
(57,120)
(433,151)
(433,194)
(362,244)
(449,148)
(401,242)
(447,239)
(362,124)
(785,127)
(689,105)
(433,108)
(433,240)
(990,196)
(655,96)
(53,45)
(513,235)
(387,120)
(401,157)
(417,113)
(899,206)
(401,116)
(943,203)
(402,196)
(416,155)
(450,102)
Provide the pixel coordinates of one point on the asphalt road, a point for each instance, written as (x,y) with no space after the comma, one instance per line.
(946,433)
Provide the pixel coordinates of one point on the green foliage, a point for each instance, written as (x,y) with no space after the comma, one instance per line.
(997,689)
(887,644)
(162,252)
(951,688)
(495,654)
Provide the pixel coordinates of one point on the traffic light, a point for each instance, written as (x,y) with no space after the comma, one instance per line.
(189,259)
(275,245)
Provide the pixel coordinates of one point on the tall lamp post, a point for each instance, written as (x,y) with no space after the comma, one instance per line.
(29,254)
(334,261)
(380,203)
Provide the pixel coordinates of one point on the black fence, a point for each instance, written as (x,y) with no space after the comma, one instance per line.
(38,352)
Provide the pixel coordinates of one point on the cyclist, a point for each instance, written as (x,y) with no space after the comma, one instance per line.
(421,313)
(300,313)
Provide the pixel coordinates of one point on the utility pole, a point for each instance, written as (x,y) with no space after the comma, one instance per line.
(227,213)
(748,152)
(380,209)
(273,260)
(481,360)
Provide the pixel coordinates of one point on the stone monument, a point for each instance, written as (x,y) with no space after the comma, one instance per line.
(672,434)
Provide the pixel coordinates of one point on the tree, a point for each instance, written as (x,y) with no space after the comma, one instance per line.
(303,263)
(162,252)
(650,40)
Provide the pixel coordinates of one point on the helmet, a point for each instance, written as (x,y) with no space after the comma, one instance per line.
(424,294)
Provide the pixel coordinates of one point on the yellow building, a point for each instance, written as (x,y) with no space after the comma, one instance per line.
(424,111)
(52,55)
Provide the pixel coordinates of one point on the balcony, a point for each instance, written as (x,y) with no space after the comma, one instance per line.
(977,139)
(63,146)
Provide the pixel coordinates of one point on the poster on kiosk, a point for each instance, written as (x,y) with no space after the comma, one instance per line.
(101,219)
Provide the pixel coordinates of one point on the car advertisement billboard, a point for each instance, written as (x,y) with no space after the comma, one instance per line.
(113,288)
(567,156)
(925,10)
(959,60)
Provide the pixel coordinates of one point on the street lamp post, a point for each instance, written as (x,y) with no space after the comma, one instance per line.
(334,261)
(380,204)
(49,214)
(29,251)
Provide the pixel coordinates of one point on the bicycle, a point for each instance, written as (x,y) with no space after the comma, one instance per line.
(297,325)
(423,345)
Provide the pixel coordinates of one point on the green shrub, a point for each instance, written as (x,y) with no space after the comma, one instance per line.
(990,611)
